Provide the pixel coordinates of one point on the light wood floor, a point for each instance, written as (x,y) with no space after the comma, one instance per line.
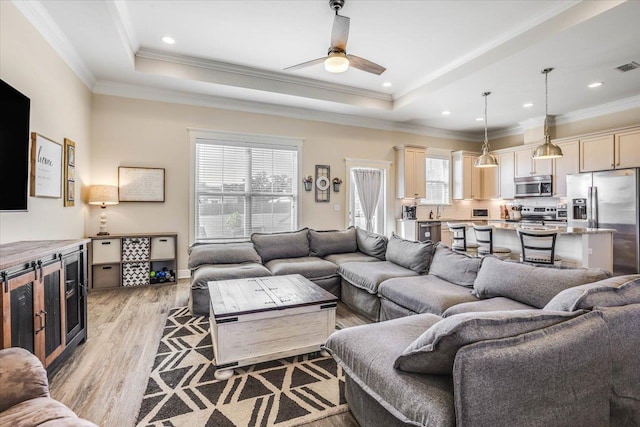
(105,378)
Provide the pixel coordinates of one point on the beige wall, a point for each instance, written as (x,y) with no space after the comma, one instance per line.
(129,132)
(60,108)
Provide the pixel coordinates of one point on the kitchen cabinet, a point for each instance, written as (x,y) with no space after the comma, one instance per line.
(506,166)
(567,164)
(467,179)
(128,259)
(490,178)
(525,165)
(597,153)
(627,149)
(43,297)
(411,181)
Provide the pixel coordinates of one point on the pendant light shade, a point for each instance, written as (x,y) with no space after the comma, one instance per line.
(547,150)
(486,159)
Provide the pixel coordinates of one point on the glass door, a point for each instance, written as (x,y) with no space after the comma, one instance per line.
(73,293)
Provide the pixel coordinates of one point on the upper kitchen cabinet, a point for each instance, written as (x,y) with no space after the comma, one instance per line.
(411,182)
(567,164)
(525,165)
(506,172)
(613,151)
(467,182)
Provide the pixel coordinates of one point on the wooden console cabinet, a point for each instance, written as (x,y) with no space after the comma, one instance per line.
(43,297)
(127,259)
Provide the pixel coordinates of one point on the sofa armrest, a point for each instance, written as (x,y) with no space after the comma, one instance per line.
(560,375)
(22,377)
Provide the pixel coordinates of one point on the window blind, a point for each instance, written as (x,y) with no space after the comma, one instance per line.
(244,189)
(438,179)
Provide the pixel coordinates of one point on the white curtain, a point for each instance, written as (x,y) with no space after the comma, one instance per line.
(368,183)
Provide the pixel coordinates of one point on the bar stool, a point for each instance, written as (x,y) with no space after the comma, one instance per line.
(484,237)
(538,246)
(459,237)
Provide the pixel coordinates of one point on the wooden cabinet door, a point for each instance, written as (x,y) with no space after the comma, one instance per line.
(52,310)
(567,164)
(409,172)
(19,305)
(523,162)
(507,170)
(543,167)
(467,177)
(627,149)
(476,179)
(596,154)
(419,174)
(490,182)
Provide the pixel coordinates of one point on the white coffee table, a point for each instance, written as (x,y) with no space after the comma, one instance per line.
(267,318)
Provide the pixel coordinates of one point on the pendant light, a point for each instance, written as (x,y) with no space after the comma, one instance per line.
(547,150)
(486,160)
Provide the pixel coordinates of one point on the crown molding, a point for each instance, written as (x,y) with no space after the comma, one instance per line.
(501,133)
(599,110)
(40,19)
(177,97)
(124,26)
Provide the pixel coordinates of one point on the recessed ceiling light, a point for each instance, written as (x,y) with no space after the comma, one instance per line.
(168,40)
(446,112)
(386,84)
(479,119)
(596,84)
(527,104)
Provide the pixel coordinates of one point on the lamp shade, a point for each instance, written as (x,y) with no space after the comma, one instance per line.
(547,150)
(103,195)
(486,160)
(336,62)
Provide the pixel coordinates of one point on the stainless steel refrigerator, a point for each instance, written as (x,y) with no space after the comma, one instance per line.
(609,200)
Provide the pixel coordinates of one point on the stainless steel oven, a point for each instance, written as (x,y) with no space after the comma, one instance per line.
(534,186)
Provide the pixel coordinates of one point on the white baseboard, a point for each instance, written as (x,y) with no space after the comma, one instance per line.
(184,274)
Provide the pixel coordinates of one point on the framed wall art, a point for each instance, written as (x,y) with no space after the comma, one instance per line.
(46,167)
(323,183)
(139,184)
(69,172)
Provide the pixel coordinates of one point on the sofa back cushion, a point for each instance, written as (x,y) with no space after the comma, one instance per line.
(371,244)
(323,243)
(222,253)
(290,244)
(611,292)
(454,267)
(415,256)
(435,350)
(531,285)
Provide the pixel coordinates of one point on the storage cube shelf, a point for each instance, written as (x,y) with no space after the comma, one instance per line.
(133,260)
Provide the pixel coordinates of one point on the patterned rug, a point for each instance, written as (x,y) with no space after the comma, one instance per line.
(182,390)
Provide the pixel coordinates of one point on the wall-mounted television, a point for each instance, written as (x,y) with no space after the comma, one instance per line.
(14,149)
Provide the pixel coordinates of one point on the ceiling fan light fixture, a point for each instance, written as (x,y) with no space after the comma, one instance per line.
(336,62)
(546,150)
(486,159)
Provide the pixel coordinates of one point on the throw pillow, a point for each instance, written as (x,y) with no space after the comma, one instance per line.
(454,267)
(222,253)
(371,244)
(290,244)
(531,285)
(435,350)
(323,243)
(415,256)
(612,292)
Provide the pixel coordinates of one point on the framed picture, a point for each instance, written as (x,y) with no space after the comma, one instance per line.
(46,167)
(139,184)
(69,172)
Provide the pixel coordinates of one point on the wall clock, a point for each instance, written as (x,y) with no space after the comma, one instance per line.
(323,183)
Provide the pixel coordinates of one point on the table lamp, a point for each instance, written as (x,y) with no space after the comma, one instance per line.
(103,195)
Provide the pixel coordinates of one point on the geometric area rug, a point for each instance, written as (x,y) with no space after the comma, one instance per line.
(182,391)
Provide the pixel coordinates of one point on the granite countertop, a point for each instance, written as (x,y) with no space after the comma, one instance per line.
(563,229)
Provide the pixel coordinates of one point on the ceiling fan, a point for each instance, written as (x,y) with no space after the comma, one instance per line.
(337,59)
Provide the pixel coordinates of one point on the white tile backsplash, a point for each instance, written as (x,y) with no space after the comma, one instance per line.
(461,209)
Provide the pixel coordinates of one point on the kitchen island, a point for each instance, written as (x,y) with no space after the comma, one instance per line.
(577,247)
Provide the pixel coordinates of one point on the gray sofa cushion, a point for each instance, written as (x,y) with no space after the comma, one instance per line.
(424,294)
(415,256)
(435,350)
(612,292)
(222,253)
(369,275)
(534,286)
(484,305)
(310,267)
(454,267)
(371,244)
(208,273)
(323,243)
(292,244)
(339,259)
(366,353)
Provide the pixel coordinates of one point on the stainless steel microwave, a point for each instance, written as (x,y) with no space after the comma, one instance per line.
(534,186)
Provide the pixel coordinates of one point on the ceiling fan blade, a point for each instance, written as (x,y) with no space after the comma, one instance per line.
(307,64)
(365,65)
(340,32)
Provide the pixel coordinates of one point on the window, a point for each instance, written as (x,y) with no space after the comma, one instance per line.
(438,178)
(243,187)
